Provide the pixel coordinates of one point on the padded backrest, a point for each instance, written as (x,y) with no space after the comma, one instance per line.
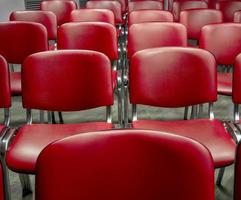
(195,19)
(92,15)
(143,5)
(237,177)
(46,18)
(179,6)
(114,6)
(5,92)
(66,80)
(236,92)
(122,2)
(20,39)
(228,9)
(237,16)
(155,34)
(97,36)
(146,168)
(140,16)
(222,40)
(61,9)
(173,77)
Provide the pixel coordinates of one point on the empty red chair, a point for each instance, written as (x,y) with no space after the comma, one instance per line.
(224,42)
(237,177)
(61,9)
(228,9)
(145,5)
(237,16)
(123,4)
(97,169)
(18,40)
(92,15)
(140,16)
(179,6)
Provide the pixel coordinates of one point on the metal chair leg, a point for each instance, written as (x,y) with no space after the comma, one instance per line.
(53,118)
(41,115)
(119,106)
(26,184)
(186,113)
(61,119)
(6,182)
(220,176)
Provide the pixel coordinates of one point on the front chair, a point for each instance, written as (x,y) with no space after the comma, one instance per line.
(175,77)
(237,176)
(144,5)
(152,165)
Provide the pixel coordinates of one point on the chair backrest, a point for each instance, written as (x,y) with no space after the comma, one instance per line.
(143,5)
(97,36)
(222,40)
(140,16)
(146,168)
(236,92)
(195,19)
(20,39)
(228,9)
(179,6)
(114,6)
(92,15)
(237,16)
(61,9)
(173,77)
(46,18)
(237,176)
(155,34)
(123,4)
(66,80)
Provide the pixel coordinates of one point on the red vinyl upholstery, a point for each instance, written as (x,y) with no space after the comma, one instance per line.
(59,81)
(18,40)
(237,80)
(228,9)
(195,19)
(97,166)
(162,34)
(237,177)
(61,9)
(140,16)
(178,77)
(237,16)
(143,5)
(92,15)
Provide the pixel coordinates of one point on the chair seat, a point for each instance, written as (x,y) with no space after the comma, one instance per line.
(30,140)
(210,133)
(15,78)
(225,83)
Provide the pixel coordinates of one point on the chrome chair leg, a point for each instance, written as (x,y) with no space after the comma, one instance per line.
(41,115)
(220,176)
(186,113)
(61,119)
(26,184)
(6,181)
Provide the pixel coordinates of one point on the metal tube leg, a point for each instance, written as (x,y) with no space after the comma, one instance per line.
(126,105)
(194,112)
(220,176)
(200,111)
(119,106)
(7,190)
(49,117)
(26,184)
(53,118)
(61,120)
(41,115)
(186,113)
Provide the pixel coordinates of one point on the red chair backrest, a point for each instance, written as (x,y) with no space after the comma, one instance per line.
(222,40)
(228,9)
(236,94)
(67,80)
(140,16)
(97,36)
(146,168)
(195,19)
(173,77)
(237,177)
(122,2)
(46,18)
(155,34)
(143,5)
(92,15)
(20,39)
(114,6)
(61,9)
(179,6)
(237,16)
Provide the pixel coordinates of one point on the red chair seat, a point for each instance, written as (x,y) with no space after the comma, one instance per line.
(15,78)
(32,139)
(210,133)
(225,83)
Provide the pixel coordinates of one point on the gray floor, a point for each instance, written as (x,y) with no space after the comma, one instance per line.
(223,110)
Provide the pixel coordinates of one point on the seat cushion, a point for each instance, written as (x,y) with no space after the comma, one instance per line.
(15,78)
(210,133)
(30,140)
(225,83)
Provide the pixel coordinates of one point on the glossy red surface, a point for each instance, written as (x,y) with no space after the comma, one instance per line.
(237,177)
(143,5)
(225,83)
(228,9)
(237,80)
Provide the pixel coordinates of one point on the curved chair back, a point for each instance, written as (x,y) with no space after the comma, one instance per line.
(173,77)
(146,168)
(145,5)
(237,16)
(228,9)
(149,35)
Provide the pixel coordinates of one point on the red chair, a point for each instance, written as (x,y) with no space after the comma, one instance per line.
(228,9)
(18,40)
(179,6)
(98,167)
(61,9)
(58,81)
(140,16)
(195,19)
(237,177)
(160,77)
(237,16)
(46,18)
(145,5)
(224,42)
